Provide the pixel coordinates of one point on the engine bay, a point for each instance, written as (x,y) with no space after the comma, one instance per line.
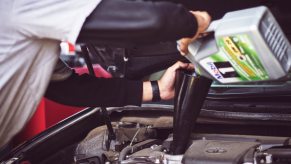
(148,140)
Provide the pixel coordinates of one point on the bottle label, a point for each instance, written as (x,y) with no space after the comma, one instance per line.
(236,61)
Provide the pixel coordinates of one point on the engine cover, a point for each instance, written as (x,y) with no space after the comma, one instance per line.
(213,151)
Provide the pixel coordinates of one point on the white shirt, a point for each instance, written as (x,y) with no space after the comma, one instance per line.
(30,34)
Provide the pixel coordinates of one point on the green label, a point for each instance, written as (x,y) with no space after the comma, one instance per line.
(236,61)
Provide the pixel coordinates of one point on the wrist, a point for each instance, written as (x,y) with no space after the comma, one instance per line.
(147,91)
(166,92)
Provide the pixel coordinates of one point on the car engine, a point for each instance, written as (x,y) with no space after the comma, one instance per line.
(139,140)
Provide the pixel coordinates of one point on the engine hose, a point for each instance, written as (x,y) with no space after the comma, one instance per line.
(139,146)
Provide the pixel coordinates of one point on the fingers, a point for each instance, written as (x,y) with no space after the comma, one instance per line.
(190,66)
(201,35)
(183,45)
(203,21)
(179,64)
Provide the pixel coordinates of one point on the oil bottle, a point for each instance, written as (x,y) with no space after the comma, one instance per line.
(245,46)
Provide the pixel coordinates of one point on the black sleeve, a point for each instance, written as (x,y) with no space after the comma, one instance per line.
(138,21)
(89,91)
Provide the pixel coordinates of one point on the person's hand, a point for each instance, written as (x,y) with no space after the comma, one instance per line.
(166,83)
(203,21)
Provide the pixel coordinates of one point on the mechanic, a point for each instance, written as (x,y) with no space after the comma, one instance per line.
(31,32)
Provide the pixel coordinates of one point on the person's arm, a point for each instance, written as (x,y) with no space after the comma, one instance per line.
(67,87)
(86,90)
(138,21)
